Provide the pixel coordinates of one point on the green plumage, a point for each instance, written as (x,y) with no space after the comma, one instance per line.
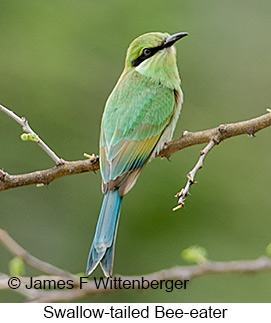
(138,109)
(139,118)
(137,100)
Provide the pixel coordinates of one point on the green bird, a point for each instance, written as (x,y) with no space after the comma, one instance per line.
(140,116)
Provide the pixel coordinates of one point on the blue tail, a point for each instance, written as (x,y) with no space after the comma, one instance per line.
(103,245)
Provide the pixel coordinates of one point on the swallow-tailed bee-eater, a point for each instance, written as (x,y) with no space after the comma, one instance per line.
(140,116)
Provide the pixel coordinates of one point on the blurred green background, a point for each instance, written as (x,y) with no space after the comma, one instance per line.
(59,60)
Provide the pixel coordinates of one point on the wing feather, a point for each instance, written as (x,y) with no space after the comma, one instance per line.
(136,115)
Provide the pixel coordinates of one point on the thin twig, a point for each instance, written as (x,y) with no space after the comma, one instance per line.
(18,251)
(26,127)
(182,195)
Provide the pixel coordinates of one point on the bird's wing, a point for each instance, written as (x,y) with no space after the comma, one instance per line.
(136,114)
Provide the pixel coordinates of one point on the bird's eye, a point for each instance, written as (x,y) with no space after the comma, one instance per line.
(146,51)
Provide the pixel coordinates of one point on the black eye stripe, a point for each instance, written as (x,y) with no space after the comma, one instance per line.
(143,56)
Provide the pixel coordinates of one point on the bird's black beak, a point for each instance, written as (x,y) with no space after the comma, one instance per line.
(172,39)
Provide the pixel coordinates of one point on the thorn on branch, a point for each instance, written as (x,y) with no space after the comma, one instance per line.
(2,175)
(91,157)
(190,178)
(222,128)
(185,133)
(41,185)
(179,194)
(217,140)
(179,206)
(25,124)
(60,162)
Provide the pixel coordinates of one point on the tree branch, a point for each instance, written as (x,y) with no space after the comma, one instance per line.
(220,133)
(18,251)
(215,136)
(188,139)
(34,137)
(48,175)
(175,273)
(182,195)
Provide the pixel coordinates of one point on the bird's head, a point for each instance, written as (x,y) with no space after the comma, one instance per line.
(153,54)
